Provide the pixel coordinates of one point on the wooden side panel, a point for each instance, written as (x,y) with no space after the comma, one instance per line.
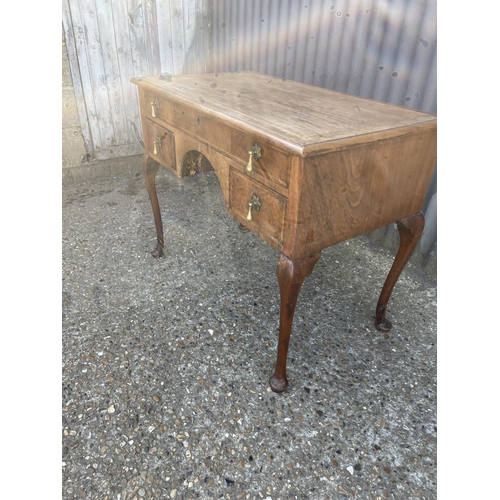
(348,193)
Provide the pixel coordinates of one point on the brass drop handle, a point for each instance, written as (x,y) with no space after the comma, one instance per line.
(253,204)
(255,152)
(155,104)
(156,143)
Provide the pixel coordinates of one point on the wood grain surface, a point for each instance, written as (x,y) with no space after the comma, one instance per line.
(274,162)
(343,194)
(164,144)
(301,115)
(269,219)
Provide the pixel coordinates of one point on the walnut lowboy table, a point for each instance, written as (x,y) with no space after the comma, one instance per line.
(302,167)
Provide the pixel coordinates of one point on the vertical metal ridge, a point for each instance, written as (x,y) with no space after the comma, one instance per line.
(281,46)
(363,29)
(423,59)
(292,31)
(429,101)
(406,50)
(373,63)
(351,16)
(265,35)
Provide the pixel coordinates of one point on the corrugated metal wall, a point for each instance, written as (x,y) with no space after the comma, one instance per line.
(379,49)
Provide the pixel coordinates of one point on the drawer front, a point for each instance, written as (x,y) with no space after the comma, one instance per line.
(274,163)
(269,217)
(156,107)
(159,143)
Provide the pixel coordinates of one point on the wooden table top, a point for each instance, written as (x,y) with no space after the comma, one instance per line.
(307,117)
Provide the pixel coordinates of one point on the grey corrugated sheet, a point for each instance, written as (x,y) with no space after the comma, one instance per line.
(384,50)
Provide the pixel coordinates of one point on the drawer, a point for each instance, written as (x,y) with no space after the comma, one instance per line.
(159,143)
(274,163)
(162,110)
(155,107)
(269,213)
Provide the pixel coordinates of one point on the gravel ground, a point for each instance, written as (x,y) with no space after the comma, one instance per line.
(166,361)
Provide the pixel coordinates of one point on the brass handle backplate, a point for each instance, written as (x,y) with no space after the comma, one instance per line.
(253,204)
(156,143)
(255,152)
(155,105)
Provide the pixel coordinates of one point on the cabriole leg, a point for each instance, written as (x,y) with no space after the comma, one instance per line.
(150,169)
(410,230)
(291,275)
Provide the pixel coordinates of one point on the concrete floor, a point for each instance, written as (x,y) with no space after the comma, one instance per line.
(166,361)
